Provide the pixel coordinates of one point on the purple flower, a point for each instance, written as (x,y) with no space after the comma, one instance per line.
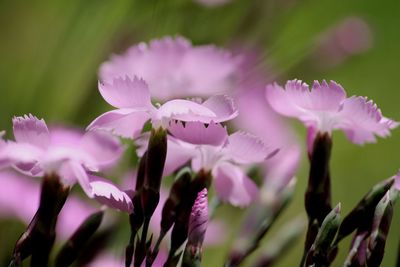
(210,148)
(326,107)
(131,97)
(69,153)
(174,68)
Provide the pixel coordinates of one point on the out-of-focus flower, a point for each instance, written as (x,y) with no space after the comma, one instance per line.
(211,149)
(352,36)
(174,68)
(325,108)
(212,3)
(19,198)
(70,154)
(132,98)
(272,128)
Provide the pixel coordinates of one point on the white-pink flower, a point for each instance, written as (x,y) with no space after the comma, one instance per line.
(326,107)
(132,99)
(174,68)
(212,149)
(37,151)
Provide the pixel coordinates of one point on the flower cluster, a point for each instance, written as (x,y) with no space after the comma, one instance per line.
(173,101)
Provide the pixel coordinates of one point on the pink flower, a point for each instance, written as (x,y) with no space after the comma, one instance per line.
(174,68)
(351,36)
(210,148)
(212,3)
(131,97)
(19,198)
(326,107)
(37,151)
(271,128)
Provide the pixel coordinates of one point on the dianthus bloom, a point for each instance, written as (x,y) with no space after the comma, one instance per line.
(132,99)
(174,68)
(210,148)
(38,151)
(326,107)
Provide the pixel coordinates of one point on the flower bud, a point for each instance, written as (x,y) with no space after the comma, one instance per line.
(362,214)
(71,249)
(198,219)
(380,229)
(357,253)
(319,252)
(181,227)
(197,229)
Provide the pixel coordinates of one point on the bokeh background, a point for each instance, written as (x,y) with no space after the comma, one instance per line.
(50,52)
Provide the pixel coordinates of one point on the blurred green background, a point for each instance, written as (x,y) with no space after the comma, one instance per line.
(50,52)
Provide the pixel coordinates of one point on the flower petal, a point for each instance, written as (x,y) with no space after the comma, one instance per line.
(153,63)
(311,107)
(185,110)
(223,106)
(233,185)
(20,154)
(219,66)
(31,130)
(108,194)
(199,134)
(245,148)
(72,172)
(18,196)
(178,154)
(103,147)
(123,122)
(361,120)
(126,92)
